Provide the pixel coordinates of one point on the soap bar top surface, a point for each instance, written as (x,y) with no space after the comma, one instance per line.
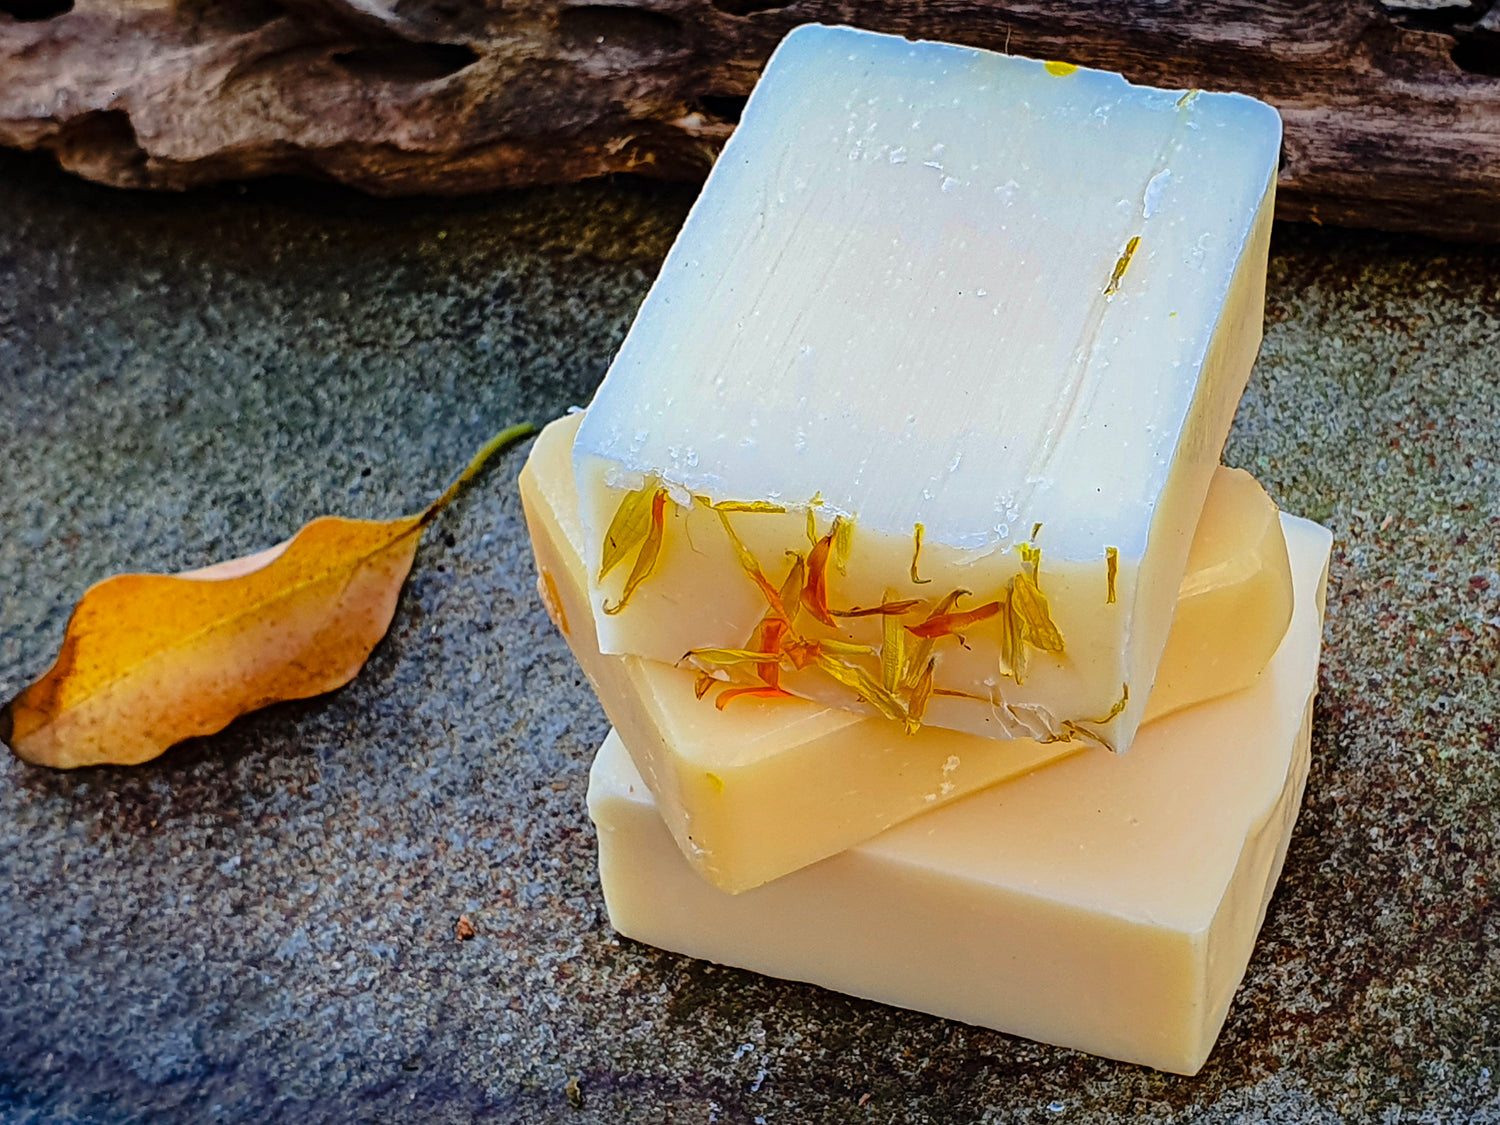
(897,292)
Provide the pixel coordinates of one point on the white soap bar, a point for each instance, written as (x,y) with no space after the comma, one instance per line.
(1105,903)
(768,786)
(1012,304)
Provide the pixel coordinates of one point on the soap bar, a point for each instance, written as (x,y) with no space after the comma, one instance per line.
(948,332)
(767,786)
(1107,903)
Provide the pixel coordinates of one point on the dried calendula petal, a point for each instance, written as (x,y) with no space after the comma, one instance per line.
(1117,708)
(701,683)
(724,657)
(919,697)
(751,567)
(892,652)
(792,587)
(726,696)
(747,506)
(628,530)
(815,596)
(884,609)
(868,687)
(916,555)
(1029,605)
(1013,654)
(1121,265)
(645,562)
(950,624)
(843,541)
(1111,570)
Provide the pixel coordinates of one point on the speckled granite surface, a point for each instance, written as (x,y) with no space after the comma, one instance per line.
(260,926)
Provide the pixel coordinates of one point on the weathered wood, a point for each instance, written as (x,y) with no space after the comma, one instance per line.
(1392,112)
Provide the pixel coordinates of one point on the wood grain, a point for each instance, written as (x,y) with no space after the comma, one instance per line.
(1392,112)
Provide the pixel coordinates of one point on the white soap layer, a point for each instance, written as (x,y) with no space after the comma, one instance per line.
(892,295)
(1106,903)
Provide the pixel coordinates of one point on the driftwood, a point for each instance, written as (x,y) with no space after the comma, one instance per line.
(1392,110)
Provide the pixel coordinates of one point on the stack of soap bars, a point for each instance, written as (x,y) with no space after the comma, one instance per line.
(947,666)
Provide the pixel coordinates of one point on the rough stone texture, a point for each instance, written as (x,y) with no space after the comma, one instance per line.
(1392,107)
(260,926)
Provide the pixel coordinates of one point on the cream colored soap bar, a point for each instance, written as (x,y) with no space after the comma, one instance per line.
(1105,903)
(1008,305)
(766,787)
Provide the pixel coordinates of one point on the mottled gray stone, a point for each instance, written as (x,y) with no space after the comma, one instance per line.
(259,926)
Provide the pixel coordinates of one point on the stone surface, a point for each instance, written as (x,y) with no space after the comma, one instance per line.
(261,926)
(1392,108)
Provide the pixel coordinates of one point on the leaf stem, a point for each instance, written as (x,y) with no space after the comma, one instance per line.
(503,440)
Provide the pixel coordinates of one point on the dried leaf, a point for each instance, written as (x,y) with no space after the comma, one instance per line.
(1111,571)
(916,556)
(645,562)
(628,530)
(1029,605)
(151,659)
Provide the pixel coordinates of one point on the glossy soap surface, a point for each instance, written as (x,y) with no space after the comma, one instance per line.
(897,296)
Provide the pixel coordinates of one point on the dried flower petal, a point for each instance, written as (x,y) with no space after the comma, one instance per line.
(629,528)
(1014,657)
(868,687)
(843,541)
(1111,570)
(729,694)
(892,653)
(919,697)
(1121,265)
(949,624)
(884,609)
(747,506)
(916,556)
(1029,605)
(645,562)
(751,567)
(815,596)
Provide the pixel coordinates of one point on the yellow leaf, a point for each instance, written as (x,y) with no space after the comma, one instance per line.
(151,659)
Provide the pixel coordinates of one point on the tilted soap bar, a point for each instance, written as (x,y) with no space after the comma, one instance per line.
(947,332)
(1107,903)
(767,786)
